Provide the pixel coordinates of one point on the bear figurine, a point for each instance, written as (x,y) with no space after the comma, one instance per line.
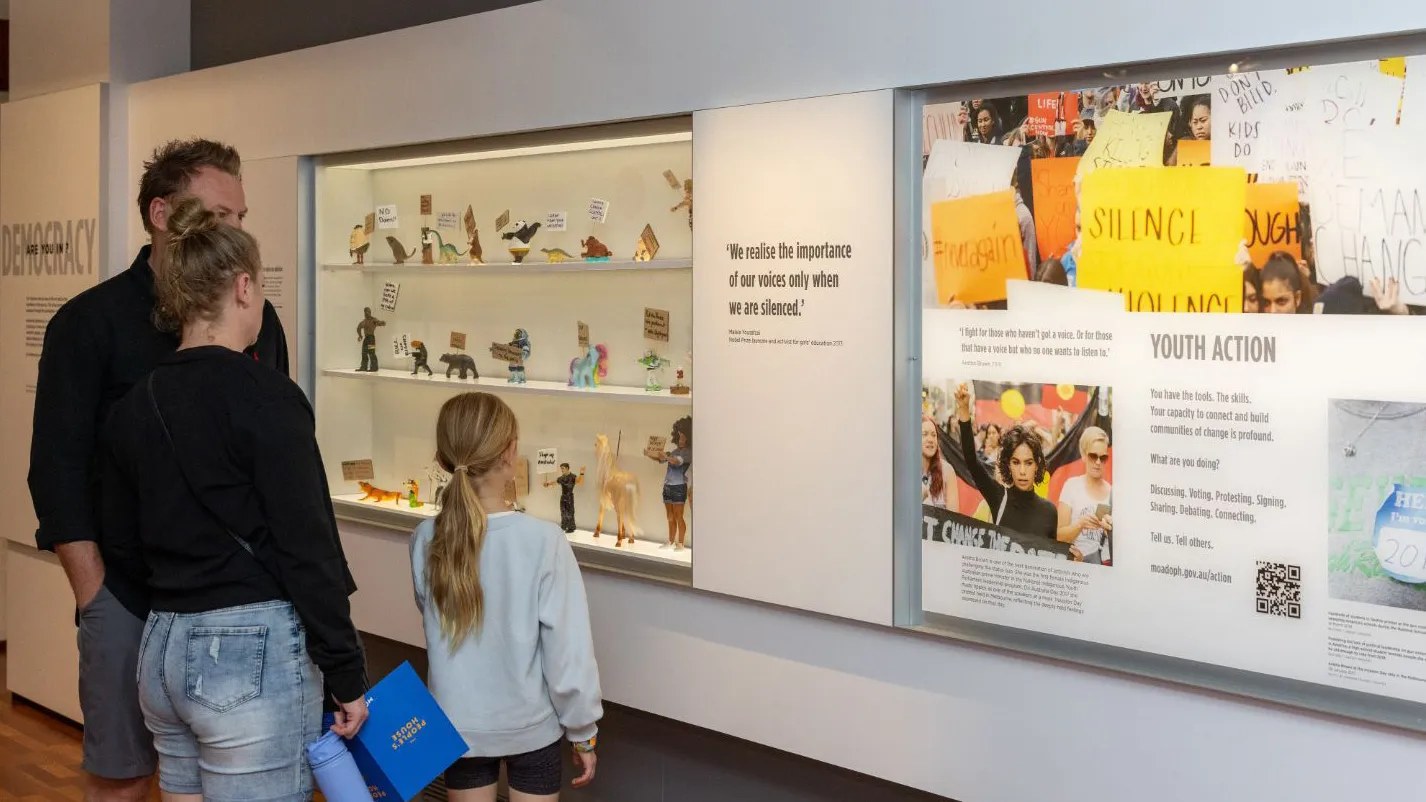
(463,362)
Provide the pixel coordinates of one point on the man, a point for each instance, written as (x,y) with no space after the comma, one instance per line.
(97,346)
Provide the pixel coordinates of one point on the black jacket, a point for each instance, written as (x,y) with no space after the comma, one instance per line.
(232,461)
(96,347)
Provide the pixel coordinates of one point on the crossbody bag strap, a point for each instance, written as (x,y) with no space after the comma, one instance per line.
(1004,497)
(163,424)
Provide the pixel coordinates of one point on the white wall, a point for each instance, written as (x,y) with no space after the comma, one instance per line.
(978,725)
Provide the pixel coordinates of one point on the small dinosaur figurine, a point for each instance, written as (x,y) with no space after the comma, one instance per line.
(398,251)
(449,254)
(555,255)
(378,495)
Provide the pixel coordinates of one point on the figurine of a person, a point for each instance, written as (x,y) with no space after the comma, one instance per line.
(675,483)
(653,363)
(366,333)
(419,355)
(687,202)
(521,340)
(358,244)
(567,482)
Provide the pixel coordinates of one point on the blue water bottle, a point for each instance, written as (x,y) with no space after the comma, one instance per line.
(335,769)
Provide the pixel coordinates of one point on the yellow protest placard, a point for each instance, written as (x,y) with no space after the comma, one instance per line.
(1195,152)
(1395,67)
(1165,238)
(1127,140)
(976,247)
(1271,224)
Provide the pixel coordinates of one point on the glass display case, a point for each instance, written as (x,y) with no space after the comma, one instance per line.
(551,269)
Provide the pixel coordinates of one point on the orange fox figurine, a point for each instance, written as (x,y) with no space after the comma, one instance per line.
(377,494)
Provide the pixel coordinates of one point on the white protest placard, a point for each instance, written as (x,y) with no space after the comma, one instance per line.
(556,221)
(547,460)
(448,220)
(1366,200)
(1241,102)
(390,291)
(386,216)
(1356,96)
(401,346)
(1282,155)
(598,210)
(1413,100)
(1175,88)
(1127,140)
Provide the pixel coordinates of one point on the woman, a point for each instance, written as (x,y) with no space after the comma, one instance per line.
(1014,505)
(216,497)
(1286,290)
(987,126)
(934,469)
(1252,290)
(505,618)
(1198,117)
(675,483)
(1084,520)
(990,445)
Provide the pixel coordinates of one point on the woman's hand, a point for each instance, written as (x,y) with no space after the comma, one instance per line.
(1088,522)
(963,402)
(1388,297)
(585,762)
(1244,259)
(1107,523)
(349,717)
(1076,555)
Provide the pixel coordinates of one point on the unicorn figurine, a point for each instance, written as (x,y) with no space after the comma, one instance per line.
(588,371)
(653,363)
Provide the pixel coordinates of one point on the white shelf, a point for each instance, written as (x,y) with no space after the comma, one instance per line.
(500,268)
(391,513)
(499,385)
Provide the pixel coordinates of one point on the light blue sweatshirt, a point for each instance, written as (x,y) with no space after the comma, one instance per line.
(528,677)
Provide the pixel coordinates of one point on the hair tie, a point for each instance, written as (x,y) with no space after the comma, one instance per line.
(462,469)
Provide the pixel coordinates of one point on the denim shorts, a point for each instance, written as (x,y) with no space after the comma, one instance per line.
(232,700)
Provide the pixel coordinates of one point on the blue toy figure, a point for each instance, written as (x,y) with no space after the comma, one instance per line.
(587,372)
(517,369)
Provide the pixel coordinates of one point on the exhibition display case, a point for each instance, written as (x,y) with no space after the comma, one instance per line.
(551,269)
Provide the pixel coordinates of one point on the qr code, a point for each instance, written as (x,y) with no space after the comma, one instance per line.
(1279,589)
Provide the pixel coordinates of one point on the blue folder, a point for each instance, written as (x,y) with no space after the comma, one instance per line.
(407,741)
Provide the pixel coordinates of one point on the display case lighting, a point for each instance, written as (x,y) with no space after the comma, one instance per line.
(510,153)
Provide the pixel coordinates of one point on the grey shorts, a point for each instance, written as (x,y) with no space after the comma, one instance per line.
(117,745)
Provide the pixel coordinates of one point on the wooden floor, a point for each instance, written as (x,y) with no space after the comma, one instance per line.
(39,753)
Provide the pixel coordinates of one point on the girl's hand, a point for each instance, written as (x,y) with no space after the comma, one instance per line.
(585,761)
(1088,522)
(1107,523)
(1388,297)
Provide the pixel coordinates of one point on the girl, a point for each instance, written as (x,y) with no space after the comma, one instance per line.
(215,497)
(675,483)
(506,622)
(934,469)
(1021,465)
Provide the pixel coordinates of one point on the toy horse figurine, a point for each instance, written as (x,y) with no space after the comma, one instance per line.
(588,371)
(618,493)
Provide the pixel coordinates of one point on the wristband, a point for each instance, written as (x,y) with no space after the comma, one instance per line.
(586,746)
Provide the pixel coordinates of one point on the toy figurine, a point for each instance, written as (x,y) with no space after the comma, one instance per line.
(588,371)
(438,479)
(448,253)
(678,388)
(477,254)
(378,495)
(618,493)
(463,362)
(567,481)
(427,252)
(358,244)
(520,239)
(675,483)
(413,494)
(652,363)
(594,250)
(366,333)
(521,340)
(554,255)
(687,202)
(398,251)
(420,357)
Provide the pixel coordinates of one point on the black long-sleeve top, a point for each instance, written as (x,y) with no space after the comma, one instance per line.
(1025,510)
(243,461)
(97,346)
